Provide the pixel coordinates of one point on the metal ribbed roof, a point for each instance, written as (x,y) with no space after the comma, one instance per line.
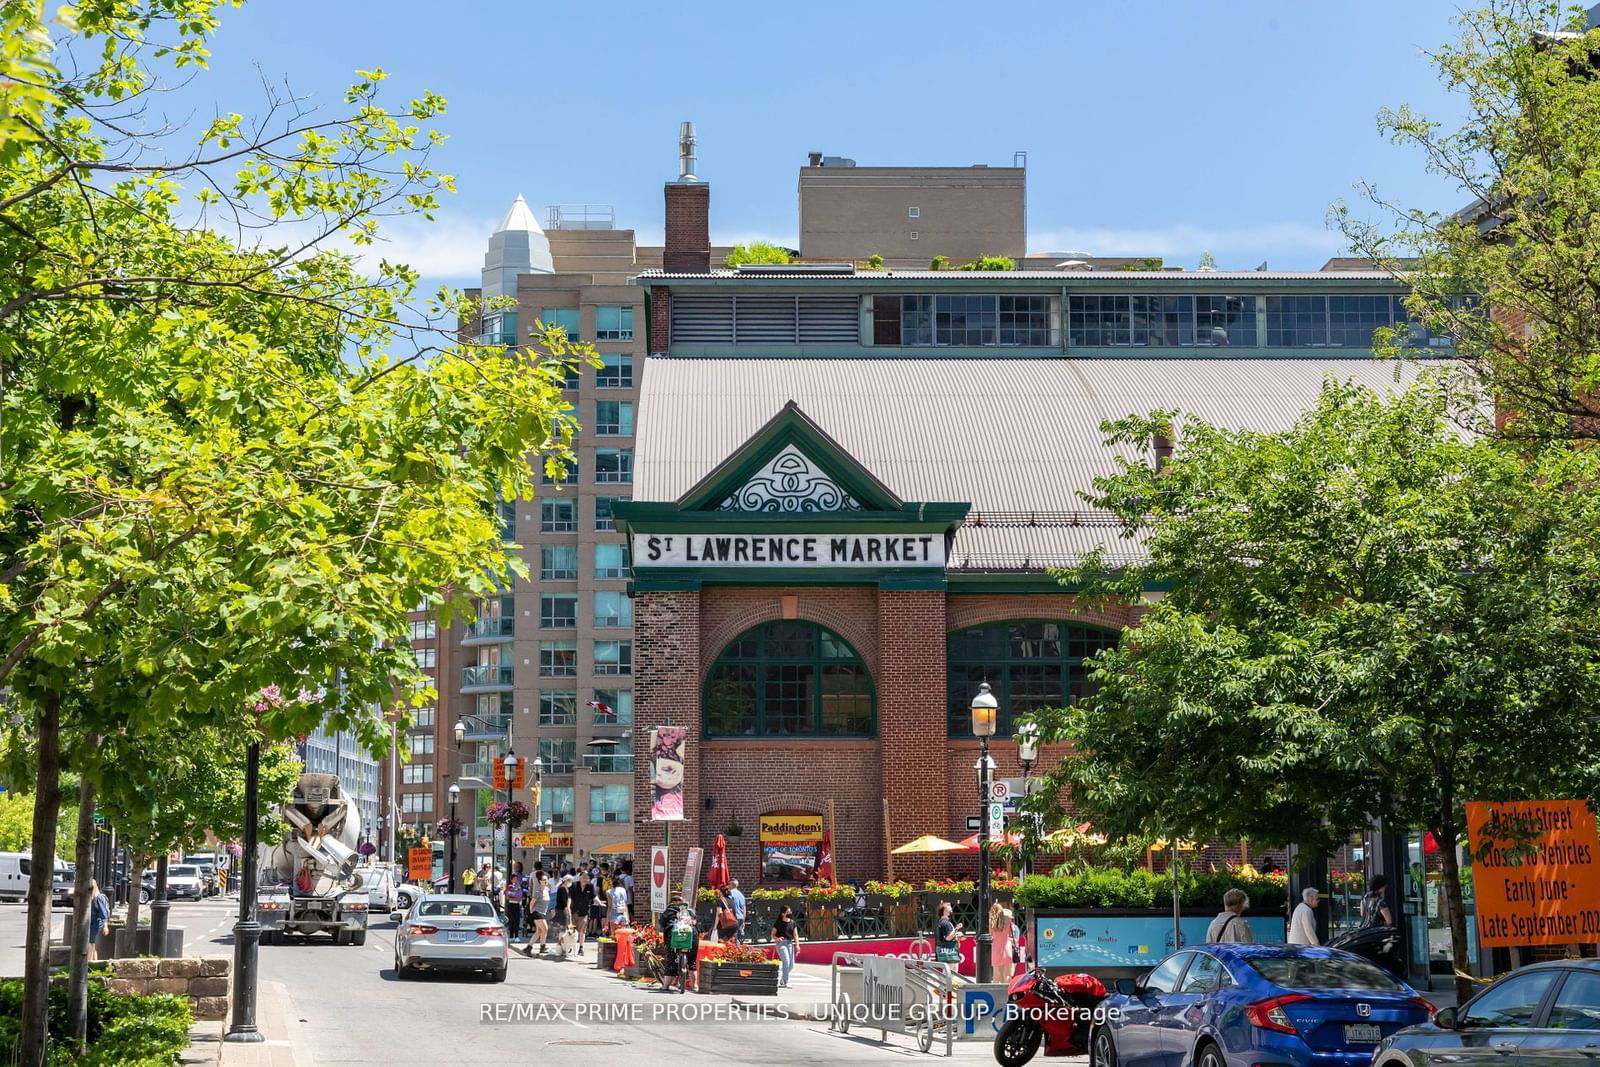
(1011,437)
(1181,277)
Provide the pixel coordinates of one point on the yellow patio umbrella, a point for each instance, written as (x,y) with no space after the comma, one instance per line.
(927,843)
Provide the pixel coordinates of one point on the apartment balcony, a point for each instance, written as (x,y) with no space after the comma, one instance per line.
(485,727)
(486,679)
(482,769)
(488,631)
(494,338)
(609,764)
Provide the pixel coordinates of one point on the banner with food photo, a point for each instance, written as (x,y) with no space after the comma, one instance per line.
(667,756)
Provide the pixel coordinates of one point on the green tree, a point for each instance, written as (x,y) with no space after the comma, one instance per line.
(988,262)
(939,263)
(16,824)
(229,464)
(185,786)
(1365,615)
(874,262)
(1207,261)
(1527,77)
(758,252)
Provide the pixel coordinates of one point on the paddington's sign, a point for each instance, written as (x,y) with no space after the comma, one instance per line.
(788,550)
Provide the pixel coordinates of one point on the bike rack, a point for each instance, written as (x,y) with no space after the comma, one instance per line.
(927,1006)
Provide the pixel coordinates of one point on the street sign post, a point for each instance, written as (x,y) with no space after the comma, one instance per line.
(997,819)
(658,879)
(974,822)
(1000,790)
(419,862)
(499,780)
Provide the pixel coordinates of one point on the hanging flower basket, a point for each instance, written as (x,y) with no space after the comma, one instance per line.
(510,815)
(367,848)
(448,827)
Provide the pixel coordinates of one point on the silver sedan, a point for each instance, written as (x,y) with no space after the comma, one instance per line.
(451,932)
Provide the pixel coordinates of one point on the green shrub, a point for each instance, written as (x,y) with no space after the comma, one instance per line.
(122,1031)
(1110,887)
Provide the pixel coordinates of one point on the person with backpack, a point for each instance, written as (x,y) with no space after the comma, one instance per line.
(727,918)
(1374,905)
(1230,927)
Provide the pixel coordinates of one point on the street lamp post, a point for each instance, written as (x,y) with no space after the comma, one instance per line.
(985,715)
(455,832)
(1027,752)
(247,932)
(511,782)
(159,907)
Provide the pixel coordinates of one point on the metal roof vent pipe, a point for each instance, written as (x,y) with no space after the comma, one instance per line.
(1161,448)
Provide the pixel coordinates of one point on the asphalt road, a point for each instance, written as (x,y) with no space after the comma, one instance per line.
(348,1008)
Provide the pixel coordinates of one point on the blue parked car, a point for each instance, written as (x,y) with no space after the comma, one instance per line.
(1248,1005)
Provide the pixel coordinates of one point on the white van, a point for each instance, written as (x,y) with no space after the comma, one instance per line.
(15,868)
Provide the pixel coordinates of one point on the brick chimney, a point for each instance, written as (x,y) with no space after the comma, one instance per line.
(688,201)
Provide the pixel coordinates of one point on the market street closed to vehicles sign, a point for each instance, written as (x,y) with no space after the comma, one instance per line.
(1535,872)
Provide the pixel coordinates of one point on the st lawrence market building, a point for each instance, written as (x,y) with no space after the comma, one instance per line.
(849,490)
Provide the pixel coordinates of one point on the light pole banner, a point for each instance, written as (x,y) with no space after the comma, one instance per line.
(668,745)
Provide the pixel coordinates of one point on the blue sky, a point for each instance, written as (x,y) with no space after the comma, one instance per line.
(1164,128)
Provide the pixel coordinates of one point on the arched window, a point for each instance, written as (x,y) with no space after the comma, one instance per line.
(789,679)
(1027,664)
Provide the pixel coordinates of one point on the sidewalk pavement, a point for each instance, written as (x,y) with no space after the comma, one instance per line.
(275,1018)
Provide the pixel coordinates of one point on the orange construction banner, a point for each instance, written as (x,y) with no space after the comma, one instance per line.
(1535,872)
(499,781)
(419,862)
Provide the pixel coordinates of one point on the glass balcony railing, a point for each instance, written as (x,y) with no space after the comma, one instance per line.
(609,764)
(496,338)
(491,675)
(483,769)
(485,727)
(491,627)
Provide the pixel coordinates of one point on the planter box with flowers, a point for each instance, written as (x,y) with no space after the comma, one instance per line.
(824,902)
(736,969)
(898,903)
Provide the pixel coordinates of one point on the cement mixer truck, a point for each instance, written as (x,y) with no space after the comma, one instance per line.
(309,882)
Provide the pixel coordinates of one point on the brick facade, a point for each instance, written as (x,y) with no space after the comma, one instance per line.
(660,306)
(928,780)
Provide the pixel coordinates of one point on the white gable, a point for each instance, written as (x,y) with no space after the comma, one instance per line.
(790,484)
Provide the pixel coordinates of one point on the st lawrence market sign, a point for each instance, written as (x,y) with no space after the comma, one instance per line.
(788,550)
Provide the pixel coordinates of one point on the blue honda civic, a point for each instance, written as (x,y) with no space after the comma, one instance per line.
(1254,1006)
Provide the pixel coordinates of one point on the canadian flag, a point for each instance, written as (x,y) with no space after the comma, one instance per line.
(601,706)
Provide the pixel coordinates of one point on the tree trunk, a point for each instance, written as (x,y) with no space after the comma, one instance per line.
(46,809)
(1455,909)
(78,958)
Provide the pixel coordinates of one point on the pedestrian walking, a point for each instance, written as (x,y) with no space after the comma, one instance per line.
(1230,927)
(617,905)
(583,907)
(561,914)
(736,898)
(1000,933)
(786,936)
(1303,923)
(1375,906)
(99,914)
(946,936)
(516,887)
(727,920)
(539,905)
(468,876)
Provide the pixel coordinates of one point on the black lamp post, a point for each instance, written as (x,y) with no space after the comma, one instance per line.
(511,784)
(1027,752)
(455,832)
(247,932)
(985,715)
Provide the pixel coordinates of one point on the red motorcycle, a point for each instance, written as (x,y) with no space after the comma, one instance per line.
(1055,1012)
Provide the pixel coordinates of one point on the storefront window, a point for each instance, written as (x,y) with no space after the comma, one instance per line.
(1028,665)
(787,679)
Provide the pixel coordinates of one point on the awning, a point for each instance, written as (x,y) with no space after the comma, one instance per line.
(611,850)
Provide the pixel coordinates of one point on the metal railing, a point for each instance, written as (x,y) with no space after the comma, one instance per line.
(501,627)
(492,674)
(609,764)
(485,727)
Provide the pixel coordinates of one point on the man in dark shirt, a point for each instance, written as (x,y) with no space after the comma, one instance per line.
(582,900)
